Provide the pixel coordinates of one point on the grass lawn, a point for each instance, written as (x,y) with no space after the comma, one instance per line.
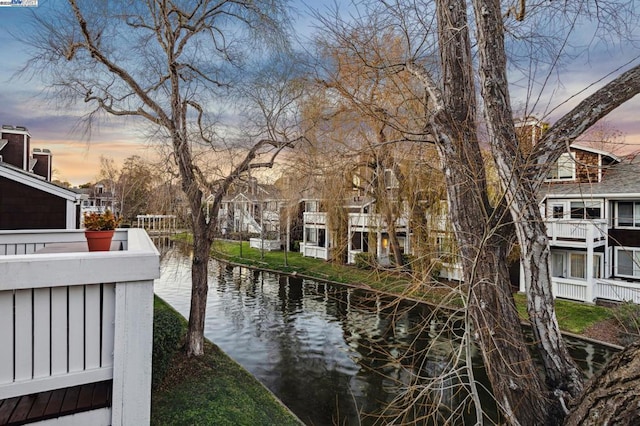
(213,390)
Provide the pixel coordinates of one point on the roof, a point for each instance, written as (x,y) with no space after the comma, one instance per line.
(596,151)
(620,179)
(259,193)
(38,182)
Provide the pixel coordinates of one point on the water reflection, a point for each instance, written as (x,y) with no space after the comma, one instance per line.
(333,355)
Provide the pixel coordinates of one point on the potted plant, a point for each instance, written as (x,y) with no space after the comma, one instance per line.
(99,228)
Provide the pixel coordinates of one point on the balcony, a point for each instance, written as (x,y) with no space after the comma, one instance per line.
(315,218)
(369,222)
(577,233)
(70,319)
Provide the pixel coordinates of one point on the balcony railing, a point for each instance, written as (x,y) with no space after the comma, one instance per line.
(373,221)
(315,218)
(69,317)
(571,231)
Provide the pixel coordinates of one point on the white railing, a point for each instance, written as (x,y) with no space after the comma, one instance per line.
(316,252)
(315,218)
(452,271)
(618,290)
(567,288)
(373,221)
(577,230)
(268,245)
(70,317)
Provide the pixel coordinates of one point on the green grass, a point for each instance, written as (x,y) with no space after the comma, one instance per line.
(213,390)
(380,280)
(573,317)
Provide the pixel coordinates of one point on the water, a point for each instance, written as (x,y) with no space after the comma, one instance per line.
(333,355)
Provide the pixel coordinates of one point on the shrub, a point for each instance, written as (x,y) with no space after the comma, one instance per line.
(628,316)
(364,260)
(167,336)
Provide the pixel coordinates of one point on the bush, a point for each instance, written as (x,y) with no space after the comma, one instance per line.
(406,262)
(628,316)
(167,336)
(365,260)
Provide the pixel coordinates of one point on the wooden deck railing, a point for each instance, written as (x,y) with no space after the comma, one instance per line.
(70,317)
(573,230)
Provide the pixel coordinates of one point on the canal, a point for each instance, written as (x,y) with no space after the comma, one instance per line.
(336,355)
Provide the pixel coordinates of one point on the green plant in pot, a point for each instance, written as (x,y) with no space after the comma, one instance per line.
(99,228)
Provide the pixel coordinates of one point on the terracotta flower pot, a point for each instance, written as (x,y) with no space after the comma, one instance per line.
(99,240)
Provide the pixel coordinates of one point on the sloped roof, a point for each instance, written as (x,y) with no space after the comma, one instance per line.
(38,182)
(262,193)
(620,179)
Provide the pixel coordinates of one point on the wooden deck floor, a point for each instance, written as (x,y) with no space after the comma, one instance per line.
(47,405)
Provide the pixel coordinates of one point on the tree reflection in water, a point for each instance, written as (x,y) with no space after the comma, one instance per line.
(337,355)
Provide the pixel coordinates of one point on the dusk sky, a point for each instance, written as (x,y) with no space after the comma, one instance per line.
(76,158)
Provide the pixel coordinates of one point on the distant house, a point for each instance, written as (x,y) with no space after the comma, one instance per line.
(251,207)
(99,197)
(367,232)
(591,205)
(28,198)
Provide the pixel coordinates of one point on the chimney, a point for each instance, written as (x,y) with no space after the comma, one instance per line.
(43,165)
(15,146)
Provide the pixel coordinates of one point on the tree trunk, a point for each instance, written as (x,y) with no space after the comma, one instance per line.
(516,384)
(561,371)
(613,397)
(199,289)
(514,378)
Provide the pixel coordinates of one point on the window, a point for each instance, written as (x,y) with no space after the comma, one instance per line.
(557,265)
(597,269)
(311,206)
(564,169)
(312,235)
(629,214)
(628,262)
(355,181)
(578,266)
(586,210)
(390,180)
(558,211)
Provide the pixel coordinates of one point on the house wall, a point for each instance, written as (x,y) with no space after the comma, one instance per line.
(24,207)
(587,167)
(624,237)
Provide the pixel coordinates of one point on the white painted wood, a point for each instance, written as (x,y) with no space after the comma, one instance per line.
(100,417)
(23,334)
(77,269)
(27,387)
(59,330)
(132,354)
(93,325)
(108,323)
(61,286)
(41,332)
(6,336)
(76,328)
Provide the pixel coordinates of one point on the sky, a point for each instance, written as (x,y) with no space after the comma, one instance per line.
(76,157)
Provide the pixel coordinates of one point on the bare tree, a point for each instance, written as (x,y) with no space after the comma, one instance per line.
(456,53)
(169,64)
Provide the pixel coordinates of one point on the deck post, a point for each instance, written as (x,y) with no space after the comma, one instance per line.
(132,353)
